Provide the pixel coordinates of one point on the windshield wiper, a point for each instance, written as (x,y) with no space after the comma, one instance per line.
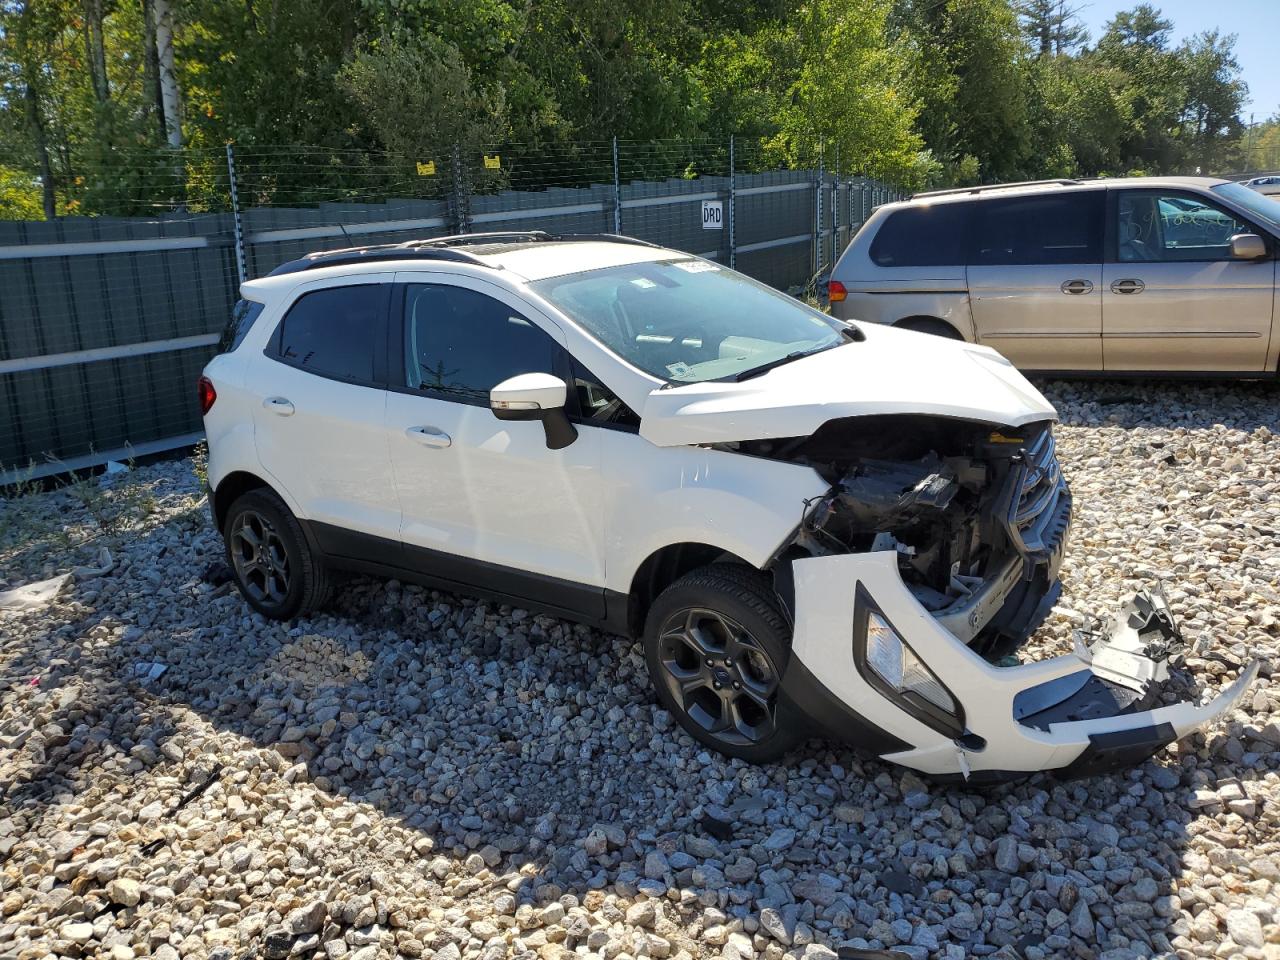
(766,367)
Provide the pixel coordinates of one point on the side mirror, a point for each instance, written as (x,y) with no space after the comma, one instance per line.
(1248,246)
(535,396)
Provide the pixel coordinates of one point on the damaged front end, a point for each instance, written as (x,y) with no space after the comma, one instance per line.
(915,579)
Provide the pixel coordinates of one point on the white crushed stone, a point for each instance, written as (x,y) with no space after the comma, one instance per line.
(416,774)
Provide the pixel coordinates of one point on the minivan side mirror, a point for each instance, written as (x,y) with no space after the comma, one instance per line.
(535,396)
(1248,246)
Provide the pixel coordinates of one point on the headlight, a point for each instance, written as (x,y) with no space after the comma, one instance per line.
(887,662)
(899,666)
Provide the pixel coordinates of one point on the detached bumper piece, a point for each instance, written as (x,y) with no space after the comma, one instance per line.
(890,677)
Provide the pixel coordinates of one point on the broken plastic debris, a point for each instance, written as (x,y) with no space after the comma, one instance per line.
(105,566)
(115,466)
(148,671)
(33,596)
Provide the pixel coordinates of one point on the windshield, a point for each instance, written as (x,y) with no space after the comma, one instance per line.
(1258,204)
(686,321)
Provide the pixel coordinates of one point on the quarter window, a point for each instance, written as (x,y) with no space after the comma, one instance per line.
(460,344)
(243,315)
(1062,228)
(333,332)
(929,235)
(1171,227)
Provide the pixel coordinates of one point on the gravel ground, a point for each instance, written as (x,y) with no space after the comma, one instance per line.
(417,774)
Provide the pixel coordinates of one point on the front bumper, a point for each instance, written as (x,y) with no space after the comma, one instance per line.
(1089,711)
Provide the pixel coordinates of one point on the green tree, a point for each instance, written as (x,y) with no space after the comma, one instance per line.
(972,81)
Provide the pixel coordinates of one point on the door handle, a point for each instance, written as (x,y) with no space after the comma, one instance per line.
(429,436)
(1127,286)
(1077,286)
(279,406)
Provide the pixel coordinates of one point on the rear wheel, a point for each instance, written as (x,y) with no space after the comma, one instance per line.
(275,569)
(939,328)
(716,645)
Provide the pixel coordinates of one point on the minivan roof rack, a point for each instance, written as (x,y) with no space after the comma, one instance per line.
(438,248)
(1060,182)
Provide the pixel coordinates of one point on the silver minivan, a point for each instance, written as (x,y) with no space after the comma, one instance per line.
(1126,276)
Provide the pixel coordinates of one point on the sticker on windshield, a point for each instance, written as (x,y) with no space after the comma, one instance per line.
(644,283)
(695,266)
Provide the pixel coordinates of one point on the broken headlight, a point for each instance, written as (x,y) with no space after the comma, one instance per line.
(888,663)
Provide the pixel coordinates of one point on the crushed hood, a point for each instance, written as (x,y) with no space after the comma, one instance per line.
(891,372)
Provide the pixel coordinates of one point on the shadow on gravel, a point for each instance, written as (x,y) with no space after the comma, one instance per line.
(535,745)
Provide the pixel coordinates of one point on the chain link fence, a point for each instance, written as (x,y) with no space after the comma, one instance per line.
(108,314)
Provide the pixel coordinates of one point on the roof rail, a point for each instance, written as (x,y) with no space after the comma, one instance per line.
(374,254)
(953,191)
(437,248)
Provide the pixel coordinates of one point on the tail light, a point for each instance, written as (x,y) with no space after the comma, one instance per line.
(836,291)
(207,394)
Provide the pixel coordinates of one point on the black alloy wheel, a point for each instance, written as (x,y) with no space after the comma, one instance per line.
(720,675)
(717,645)
(276,569)
(260,559)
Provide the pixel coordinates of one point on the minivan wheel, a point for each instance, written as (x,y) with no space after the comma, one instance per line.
(716,644)
(939,328)
(274,567)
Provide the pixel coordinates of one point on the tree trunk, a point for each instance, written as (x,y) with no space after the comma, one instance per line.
(169,98)
(95,51)
(152,103)
(35,122)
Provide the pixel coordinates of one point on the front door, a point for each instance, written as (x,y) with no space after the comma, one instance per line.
(485,501)
(1173,297)
(319,417)
(1035,278)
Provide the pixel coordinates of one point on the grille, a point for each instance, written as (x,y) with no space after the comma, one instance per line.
(1039,502)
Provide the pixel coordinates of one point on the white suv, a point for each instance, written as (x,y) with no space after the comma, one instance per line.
(814,526)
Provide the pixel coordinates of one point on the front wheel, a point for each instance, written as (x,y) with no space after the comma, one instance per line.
(716,644)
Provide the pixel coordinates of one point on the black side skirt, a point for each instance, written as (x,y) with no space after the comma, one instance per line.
(365,553)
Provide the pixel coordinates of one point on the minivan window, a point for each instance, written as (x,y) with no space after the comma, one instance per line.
(460,344)
(928,235)
(1265,208)
(1154,226)
(1058,228)
(242,316)
(332,332)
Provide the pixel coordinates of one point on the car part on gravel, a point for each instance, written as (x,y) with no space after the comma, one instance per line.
(1095,709)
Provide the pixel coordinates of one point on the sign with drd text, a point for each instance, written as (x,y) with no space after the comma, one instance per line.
(712,215)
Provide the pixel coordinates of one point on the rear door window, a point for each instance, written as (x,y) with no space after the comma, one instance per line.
(336,332)
(1057,228)
(928,235)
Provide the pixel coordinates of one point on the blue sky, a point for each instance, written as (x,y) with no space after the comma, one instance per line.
(1253,21)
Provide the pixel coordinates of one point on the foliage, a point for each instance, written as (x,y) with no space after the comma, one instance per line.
(923,91)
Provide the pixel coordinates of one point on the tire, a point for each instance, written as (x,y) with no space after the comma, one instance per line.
(716,644)
(281,578)
(938,328)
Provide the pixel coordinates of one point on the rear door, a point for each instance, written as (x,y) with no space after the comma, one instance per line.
(1173,297)
(1035,278)
(319,405)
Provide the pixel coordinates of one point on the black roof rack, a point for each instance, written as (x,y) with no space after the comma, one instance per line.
(1060,182)
(438,248)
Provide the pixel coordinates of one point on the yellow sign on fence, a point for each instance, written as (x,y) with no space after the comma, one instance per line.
(427,169)
(492,163)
